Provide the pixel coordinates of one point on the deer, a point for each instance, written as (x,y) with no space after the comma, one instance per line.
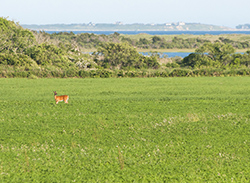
(64,98)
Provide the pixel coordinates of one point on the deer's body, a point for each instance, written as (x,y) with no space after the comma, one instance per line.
(64,98)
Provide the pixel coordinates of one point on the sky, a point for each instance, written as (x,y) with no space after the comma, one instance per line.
(228,13)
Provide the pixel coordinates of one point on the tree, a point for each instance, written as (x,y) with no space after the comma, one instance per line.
(45,54)
(218,52)
(156,39)
(196,60)
(16,59)
(210,54)
(123,55)
(13,38)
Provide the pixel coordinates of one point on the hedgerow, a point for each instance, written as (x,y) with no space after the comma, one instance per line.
(26,72)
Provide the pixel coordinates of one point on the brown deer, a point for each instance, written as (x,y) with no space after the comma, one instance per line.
(64,98)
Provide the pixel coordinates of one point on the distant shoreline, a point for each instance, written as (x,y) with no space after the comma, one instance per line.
(139,27)
(178,26)
(130,32)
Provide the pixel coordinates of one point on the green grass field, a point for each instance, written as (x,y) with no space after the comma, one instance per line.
(125,130)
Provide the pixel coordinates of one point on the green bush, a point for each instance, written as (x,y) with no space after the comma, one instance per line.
(49,72)
(16,59)
(83,73)
(172,65)
(14,39)
(180,72)
(48,54)
(123,56)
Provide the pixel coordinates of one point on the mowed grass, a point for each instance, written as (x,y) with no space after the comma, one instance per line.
(125,130)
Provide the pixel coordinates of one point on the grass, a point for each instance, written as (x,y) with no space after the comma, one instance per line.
(212,38)
(165,50)
(114,130)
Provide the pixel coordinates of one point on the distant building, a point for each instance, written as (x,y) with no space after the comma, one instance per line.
(91,24)
(118,23)
(178,23)
(181,23)
(245,26)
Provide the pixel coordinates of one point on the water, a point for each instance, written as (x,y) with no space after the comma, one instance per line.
(166,54)
(157,32)
(173,54)
(169,54)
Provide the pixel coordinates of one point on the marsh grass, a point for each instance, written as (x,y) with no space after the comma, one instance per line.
(114,130)
(212,38)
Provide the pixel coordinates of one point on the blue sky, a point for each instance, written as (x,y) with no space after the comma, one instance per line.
(217,12)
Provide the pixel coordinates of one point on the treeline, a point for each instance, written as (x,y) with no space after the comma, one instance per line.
(87,41)
(24,53)
(21,47)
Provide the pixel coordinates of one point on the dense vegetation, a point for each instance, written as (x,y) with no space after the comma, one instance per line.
(87,40)
(24,53)
(123,56)
(125,130)
(216,55)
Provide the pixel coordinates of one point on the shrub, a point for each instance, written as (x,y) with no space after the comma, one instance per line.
(32,76)
(180,72)
(16,59)
(123,56)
